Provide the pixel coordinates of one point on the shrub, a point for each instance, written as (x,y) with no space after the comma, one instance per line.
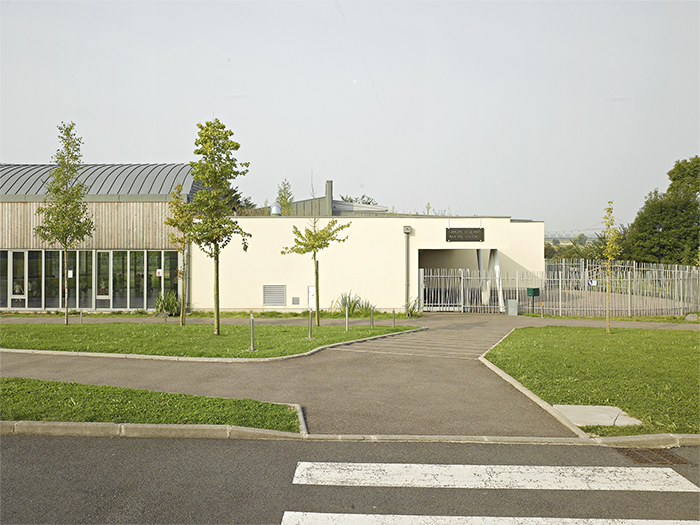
(168,303)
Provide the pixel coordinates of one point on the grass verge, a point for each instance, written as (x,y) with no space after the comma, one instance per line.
(174,340)
(650,374)
(34,400)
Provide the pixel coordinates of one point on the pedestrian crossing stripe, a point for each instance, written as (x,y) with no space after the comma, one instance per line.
(523,477)
(317,518)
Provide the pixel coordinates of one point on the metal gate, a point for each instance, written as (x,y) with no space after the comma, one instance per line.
(460,290)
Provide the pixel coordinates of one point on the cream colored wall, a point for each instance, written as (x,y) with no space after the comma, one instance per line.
(370,263)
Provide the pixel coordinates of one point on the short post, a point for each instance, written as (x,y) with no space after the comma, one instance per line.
(165,316)
(393,317)
(81,317)
(346,317)
(541,309)
(371,318)
(252,333)
(310,337)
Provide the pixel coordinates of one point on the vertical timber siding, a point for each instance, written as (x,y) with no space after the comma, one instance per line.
(118,225)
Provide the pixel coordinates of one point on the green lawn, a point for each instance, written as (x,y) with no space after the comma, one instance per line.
(653,375)
(33,400)
(174,340)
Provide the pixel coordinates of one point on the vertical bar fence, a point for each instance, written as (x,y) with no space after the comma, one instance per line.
(572,287)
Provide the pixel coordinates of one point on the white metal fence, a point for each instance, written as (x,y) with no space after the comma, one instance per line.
(567,287)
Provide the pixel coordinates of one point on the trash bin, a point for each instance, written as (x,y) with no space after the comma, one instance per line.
(512,307)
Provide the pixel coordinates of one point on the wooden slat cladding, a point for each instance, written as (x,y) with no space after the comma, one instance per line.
(118,225)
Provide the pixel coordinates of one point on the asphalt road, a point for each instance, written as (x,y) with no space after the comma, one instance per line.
(99,480)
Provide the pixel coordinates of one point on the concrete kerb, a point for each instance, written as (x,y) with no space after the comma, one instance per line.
(203,359)
(540,402)
(132,430)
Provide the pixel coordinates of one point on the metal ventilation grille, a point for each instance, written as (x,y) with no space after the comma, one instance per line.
(274,294)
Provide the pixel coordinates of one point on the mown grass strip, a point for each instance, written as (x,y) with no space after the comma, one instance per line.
(173,340)
(653,375)
(34,400)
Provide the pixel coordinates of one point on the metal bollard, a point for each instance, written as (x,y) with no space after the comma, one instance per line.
(346,317)
(371,318)
(252,333)
(81,317)
(393,317)
(310,335)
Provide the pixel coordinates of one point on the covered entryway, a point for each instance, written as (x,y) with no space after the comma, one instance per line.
(463,289)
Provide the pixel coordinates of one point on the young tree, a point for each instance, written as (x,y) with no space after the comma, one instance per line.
(611,250)
(285,197)
(183,221)
(66,221)
(312,241)
(212,228)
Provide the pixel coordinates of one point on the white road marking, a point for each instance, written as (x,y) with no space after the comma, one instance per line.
(526,477)
(315,518)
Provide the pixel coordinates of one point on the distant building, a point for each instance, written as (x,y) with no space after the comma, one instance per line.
(129,261)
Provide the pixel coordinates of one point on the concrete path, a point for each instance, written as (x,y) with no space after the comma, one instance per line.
(423,383)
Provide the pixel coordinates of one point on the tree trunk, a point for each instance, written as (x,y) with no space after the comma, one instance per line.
(318,300)
(184,290)
(607,300)
(65,283)
(216,291)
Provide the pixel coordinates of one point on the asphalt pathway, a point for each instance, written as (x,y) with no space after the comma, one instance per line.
(421,383)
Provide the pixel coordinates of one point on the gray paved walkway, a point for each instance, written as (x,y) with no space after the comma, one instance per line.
(424,383)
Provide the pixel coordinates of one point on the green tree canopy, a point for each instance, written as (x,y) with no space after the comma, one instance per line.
(212,227)
(66,221)
(677,211)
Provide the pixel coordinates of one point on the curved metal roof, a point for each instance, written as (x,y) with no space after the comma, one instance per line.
(100,179)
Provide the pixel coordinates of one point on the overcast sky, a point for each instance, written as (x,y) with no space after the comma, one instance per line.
(535,110)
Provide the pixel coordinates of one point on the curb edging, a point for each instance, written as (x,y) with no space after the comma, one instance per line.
(137,430)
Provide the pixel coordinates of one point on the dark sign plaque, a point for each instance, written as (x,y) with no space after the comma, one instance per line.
(464,234)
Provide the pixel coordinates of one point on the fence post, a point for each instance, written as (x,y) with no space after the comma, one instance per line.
(561,273)
(629,294)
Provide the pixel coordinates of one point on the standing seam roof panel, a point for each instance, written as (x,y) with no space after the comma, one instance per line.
(38,183)
(100,179)
(128,176)
(146,180)
(92,176)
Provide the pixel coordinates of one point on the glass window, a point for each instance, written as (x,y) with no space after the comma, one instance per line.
(119,277)
(34,267)
(85,279)
(72,279)
(51,288)
(170,272)
(3,279)
(136,280)
(18,281)
(153,279)
(103,280)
